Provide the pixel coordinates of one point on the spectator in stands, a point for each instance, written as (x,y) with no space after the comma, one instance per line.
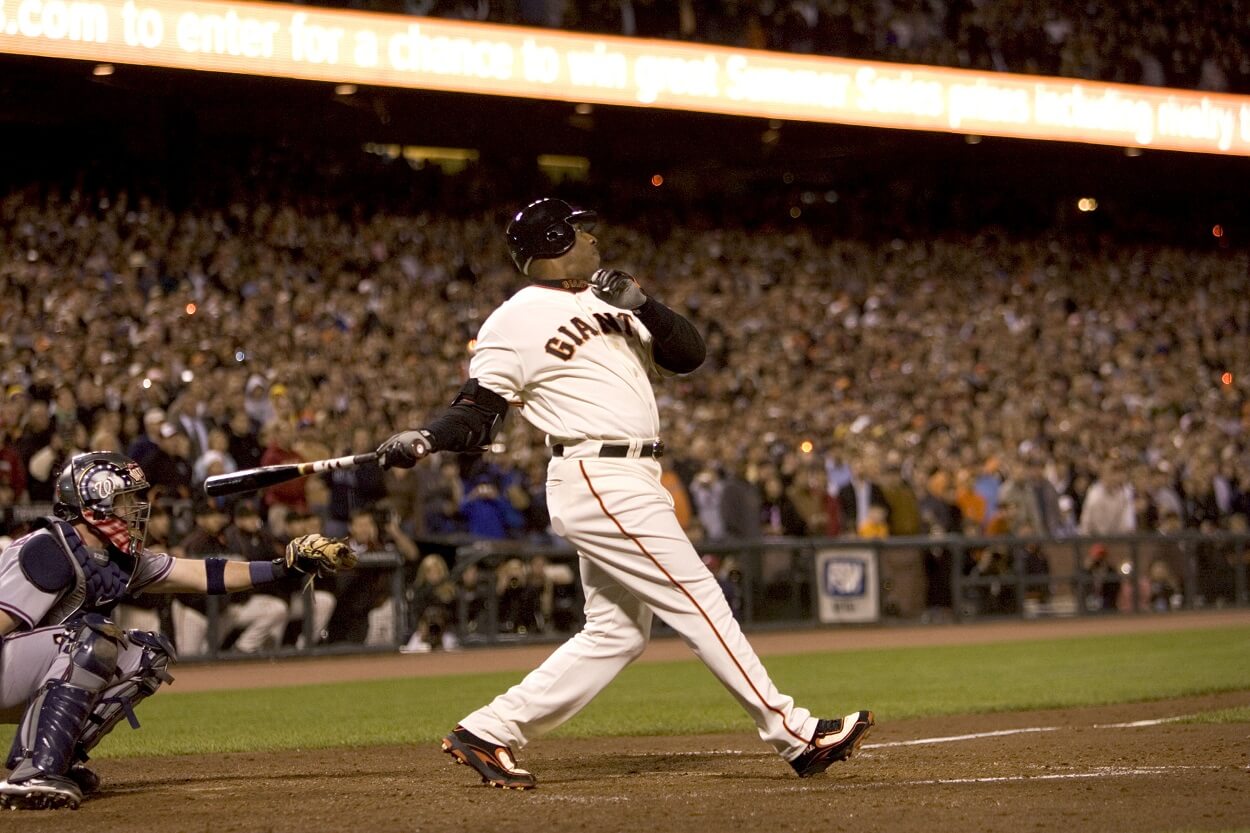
(256,615)
(778,514)
(431,607)
(36,431)
(48,461)
(937,508)
(1105,578)
(353,489)
(297,596)
(672,482)
(443,499)
(167,466)
(1199,501)
(971,503)
(861,493)
(405,491)
(707,489)
(216,458)
(247,539)
(1108,507)
(900,498)
(12,472)
(740,504)
(939,562)
(520,599)
(1035,498)
(365,611)
(256,403)
(810,494)
(473,592)
(243,444)
(876,524)
(279,437)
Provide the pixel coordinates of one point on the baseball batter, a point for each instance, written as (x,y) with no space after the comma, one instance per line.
(573,352)
(68,673)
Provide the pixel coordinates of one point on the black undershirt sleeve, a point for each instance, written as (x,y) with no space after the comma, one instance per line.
(471,422)
(675,344)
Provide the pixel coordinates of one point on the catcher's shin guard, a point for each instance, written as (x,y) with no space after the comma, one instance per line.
(119,700)
(44,744)
(53,721)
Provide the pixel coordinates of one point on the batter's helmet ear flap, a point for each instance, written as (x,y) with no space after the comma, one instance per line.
(545,228)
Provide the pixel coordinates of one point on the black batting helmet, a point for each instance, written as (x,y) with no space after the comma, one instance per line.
(545,228)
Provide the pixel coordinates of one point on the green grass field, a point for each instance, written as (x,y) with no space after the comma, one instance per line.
(683,698)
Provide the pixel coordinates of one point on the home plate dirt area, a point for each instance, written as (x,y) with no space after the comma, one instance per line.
(1089,770)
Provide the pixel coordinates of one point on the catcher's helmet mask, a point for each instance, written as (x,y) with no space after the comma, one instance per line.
(90,488)
(544,229)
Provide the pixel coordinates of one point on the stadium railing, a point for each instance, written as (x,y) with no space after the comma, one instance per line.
(777,583)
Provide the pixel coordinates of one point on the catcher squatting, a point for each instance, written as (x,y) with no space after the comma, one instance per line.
(573,351)
(68,674)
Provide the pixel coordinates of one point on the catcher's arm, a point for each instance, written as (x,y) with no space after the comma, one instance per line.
(311,555)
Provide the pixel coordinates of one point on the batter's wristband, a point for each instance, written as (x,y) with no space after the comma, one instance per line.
(215,576)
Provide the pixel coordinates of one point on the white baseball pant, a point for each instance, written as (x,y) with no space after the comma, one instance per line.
(635,560)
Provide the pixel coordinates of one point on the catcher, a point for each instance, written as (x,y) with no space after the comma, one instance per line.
(68,674)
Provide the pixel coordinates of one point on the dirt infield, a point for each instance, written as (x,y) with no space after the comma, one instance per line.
(1078,770)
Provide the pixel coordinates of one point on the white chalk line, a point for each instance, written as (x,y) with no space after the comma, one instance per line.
(1135,724)
(956,738)
(1098,772)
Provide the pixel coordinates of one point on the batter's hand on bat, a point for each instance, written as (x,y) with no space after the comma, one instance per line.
(403,450)
(617,288)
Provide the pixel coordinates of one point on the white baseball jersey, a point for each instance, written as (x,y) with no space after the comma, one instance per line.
(578,368)
(575,365)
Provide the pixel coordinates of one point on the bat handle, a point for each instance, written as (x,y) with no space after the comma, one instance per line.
(349,462)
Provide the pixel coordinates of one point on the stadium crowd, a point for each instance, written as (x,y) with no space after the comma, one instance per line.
(1190,45)
(938,384)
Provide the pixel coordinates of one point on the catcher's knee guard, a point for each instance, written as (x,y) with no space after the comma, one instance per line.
(53,721)
(120,700)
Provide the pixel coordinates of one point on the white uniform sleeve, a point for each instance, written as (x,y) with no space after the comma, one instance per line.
(643,349)
(497,365)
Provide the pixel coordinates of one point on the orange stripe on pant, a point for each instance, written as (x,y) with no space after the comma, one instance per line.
(642,548)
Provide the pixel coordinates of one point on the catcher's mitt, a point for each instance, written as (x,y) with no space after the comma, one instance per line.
(318,555)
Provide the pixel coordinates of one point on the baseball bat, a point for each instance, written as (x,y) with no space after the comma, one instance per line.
(249,480)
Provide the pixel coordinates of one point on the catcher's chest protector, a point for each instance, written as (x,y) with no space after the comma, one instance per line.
(98,580)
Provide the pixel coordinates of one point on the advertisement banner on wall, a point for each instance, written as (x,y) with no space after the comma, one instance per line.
(346,46)
(847,581)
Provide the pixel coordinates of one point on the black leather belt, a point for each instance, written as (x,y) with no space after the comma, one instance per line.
(655,449)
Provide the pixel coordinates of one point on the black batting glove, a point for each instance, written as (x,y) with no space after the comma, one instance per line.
(403,450)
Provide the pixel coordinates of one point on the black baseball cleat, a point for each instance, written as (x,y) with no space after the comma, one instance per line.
(491,760)
(835,740)
(40,792)
(85,777)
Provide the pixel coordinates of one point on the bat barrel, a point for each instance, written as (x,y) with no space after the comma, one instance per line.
(250,480)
